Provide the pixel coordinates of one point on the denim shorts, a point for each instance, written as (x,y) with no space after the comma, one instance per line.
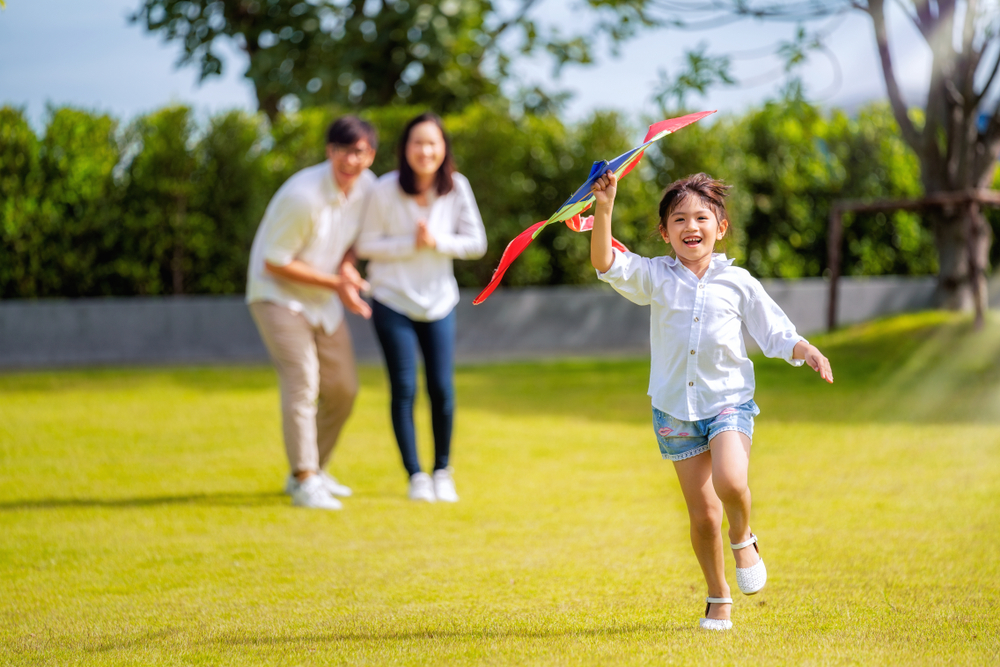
(680,440)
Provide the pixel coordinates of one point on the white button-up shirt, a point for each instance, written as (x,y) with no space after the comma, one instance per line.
(419,283)
(312,220)
(699,364)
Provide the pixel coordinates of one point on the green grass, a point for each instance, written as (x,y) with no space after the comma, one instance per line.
(141,519)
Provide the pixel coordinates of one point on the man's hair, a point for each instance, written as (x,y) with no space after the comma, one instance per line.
(407,179)
(711,190)
(348,130)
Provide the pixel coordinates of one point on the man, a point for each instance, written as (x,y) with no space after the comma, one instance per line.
(300,279)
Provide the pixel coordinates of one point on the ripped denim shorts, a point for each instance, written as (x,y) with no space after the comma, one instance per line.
(680,439)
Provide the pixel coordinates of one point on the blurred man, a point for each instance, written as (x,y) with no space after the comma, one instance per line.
(300,279)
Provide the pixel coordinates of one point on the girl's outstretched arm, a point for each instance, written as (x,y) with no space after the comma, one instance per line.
(804,350)
(604,190)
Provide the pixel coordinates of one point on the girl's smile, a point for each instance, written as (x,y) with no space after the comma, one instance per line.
(692,229)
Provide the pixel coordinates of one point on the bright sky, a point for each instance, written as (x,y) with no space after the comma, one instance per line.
(86,54)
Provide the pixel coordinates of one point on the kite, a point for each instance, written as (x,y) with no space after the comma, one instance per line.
(581,200)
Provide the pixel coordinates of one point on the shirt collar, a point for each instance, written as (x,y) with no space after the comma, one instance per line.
(719,262)
(330,187)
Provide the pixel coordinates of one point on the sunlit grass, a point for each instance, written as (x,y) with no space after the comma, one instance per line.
(141,520)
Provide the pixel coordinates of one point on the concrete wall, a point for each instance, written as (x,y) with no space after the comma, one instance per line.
(512,324)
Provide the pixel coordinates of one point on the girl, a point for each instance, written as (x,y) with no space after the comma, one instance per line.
(701,382)
(419,219)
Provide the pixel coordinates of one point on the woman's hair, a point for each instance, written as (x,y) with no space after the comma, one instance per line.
(407,178)
(711,191)
(347,130)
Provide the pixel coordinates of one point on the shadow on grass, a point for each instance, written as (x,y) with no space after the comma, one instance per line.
(140,641)
(202,499)
(233,639)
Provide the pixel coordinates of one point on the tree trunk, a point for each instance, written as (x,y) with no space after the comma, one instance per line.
(177,261)
(269,105)
(960,235)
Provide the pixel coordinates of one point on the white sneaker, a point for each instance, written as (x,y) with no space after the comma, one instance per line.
(421,487)
(312,493)
(333,486)
(444,486)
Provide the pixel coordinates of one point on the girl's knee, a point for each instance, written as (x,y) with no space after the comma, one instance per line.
(730,488)
(706,521)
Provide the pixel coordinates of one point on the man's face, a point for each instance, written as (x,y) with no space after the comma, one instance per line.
(349,161)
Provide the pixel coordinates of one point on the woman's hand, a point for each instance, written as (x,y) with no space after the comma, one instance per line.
(605,188)
(814,358)
(424,238)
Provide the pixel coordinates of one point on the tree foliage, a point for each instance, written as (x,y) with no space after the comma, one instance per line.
(360,53)
(165,205)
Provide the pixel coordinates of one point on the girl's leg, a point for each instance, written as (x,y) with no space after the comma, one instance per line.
(399,346)
(730,464)
(705,513)
(437,342)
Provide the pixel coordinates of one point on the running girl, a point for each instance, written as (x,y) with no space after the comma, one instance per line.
(701,382)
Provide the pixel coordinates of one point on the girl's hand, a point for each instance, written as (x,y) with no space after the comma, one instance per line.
(605,188)
(424,238)
(814,358)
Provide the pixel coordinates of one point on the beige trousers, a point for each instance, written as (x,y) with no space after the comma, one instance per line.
(318,381)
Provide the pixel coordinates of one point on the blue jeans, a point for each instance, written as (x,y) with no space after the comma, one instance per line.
(399,337)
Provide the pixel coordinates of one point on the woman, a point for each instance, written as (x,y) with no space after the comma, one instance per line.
(419,219)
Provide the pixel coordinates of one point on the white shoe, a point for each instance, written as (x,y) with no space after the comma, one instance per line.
(444,486)
(421,487)
(333,486)
(715,623)
(312,493)
(750,579)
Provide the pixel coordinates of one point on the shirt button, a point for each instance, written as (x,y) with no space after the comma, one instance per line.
(692,351)
(696,319)
(690,384)
(701,285)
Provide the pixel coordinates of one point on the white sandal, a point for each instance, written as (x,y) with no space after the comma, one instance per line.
(715,623)
(750,579)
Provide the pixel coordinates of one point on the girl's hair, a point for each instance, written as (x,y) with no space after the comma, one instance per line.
(712,191)
(407,178)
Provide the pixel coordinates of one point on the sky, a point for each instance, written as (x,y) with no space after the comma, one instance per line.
(87,54)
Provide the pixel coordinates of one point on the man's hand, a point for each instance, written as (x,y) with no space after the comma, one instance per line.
(349,289)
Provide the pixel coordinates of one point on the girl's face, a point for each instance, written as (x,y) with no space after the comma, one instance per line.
(693,229)
(425,149)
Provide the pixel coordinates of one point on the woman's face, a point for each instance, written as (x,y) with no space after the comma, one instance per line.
(425,149)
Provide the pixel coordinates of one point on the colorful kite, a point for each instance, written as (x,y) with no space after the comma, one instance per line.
(581,200)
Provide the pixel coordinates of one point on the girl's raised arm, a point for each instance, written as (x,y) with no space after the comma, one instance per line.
(604,189)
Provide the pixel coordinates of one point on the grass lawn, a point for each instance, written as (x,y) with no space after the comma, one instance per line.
(142,520)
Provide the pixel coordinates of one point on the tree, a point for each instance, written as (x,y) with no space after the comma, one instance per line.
(358,53)
(956,136)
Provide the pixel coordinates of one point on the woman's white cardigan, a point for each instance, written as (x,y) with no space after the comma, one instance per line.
(419,283)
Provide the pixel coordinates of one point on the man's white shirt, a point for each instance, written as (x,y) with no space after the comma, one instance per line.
(698,360)
(312,220)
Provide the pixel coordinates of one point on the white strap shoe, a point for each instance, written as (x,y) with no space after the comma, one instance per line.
(715,623)
(750,579)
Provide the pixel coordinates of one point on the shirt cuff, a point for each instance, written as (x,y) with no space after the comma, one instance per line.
(279,258)
(791,351)
(615,270)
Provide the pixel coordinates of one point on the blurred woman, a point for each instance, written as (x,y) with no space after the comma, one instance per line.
(419,219)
